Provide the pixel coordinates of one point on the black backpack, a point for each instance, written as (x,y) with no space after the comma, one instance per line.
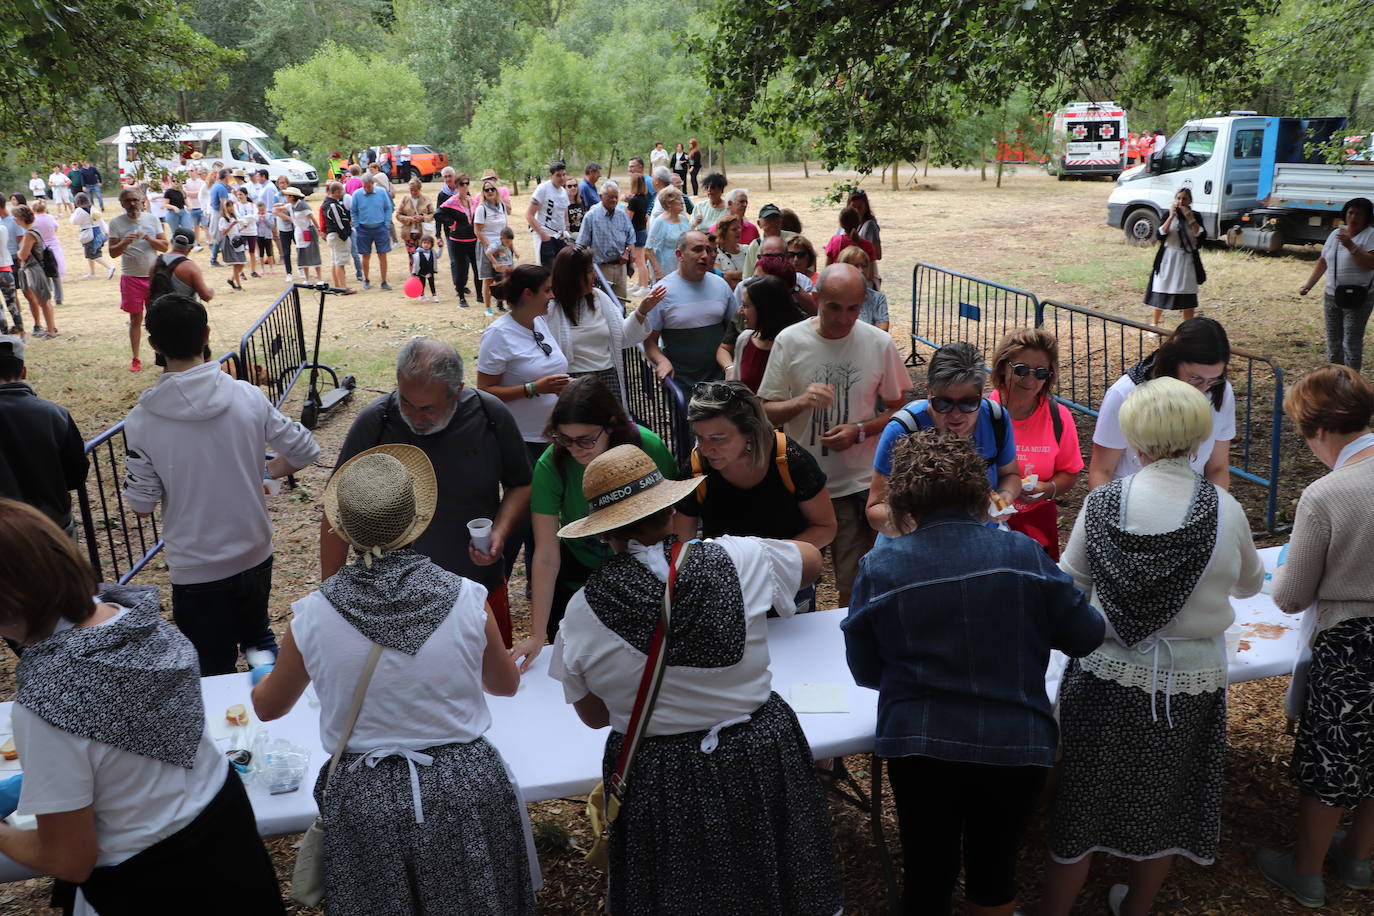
(160,284)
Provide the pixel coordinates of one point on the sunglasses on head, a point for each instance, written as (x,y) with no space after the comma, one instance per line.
(965,405)
(1021,370)
(717,391)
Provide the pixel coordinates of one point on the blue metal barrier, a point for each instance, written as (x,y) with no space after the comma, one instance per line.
(1096,349)
(119,542)
(947,306)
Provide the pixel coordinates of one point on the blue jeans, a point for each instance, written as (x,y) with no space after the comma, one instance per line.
(196,217)
(97,196)
(224,616)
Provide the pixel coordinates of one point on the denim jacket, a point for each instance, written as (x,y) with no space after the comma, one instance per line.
(953,625)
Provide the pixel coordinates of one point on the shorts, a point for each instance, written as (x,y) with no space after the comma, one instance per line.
(369,237)
(340,250)
(195,218)
(133,293)
(96,245)
(641,236)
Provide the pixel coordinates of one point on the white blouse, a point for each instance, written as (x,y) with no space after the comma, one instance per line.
(590,658)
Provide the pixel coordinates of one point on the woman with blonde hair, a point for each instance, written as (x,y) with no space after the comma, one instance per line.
(1143,719)
(730,254)
(1327,573)
(664,232)
(1023,373)
(874,310)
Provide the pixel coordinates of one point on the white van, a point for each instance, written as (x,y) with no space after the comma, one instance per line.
(236,144)
(1217,159)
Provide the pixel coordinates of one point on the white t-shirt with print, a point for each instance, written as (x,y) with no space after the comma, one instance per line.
(1342,268)
(863,366)
(553,208)
(1108,430)
(512,351)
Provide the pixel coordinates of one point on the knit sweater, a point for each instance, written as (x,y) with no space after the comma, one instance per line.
(1328,556)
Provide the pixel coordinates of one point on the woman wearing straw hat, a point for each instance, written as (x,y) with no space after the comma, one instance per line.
(420,807)
(722,758)
(307,234)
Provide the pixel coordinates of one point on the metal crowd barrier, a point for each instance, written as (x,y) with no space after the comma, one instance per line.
(118,542)
(947,306)
(272,352)
(658,405)
(1096,349)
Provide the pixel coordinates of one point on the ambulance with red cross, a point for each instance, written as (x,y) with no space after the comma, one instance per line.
(1090,138)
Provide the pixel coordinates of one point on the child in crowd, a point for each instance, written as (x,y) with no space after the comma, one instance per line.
(266,254)
(502,257)
(422,266)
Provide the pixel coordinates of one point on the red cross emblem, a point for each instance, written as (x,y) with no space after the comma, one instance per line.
(1079,132)
(1106,131)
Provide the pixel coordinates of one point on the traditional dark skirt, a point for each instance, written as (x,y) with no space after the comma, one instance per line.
(215,865)
(469,856)
(1333,758)
(1130,784)
(609,377)
(1172,302)
(744,829)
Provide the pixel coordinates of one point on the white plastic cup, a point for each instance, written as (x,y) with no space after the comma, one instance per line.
(1233,634)
(479,531)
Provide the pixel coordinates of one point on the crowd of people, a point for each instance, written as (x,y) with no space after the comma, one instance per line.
(940,515)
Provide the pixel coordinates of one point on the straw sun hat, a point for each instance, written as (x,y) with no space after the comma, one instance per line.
(623,485)
(382,499)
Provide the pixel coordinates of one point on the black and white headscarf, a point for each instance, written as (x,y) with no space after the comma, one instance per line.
(398,600)
(1143,580)
(132,683)
(1140,372)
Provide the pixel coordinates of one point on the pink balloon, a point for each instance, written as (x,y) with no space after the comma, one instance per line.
(414,286)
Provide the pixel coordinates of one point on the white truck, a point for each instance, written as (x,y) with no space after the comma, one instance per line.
(1089,140)
(236,144)
(1256,181)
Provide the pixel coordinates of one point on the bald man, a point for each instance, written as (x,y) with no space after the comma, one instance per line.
(824,376)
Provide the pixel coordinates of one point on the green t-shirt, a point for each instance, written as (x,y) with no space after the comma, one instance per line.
(560,494)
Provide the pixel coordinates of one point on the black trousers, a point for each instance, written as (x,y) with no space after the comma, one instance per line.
(288,244)
(945,808)
(462,258)
(696,170)
(224,616)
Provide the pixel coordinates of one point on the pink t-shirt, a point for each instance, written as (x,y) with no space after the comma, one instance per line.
(352,184)
(1036,450)
(840,241)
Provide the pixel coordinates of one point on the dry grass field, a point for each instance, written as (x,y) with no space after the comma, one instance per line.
(1032,233)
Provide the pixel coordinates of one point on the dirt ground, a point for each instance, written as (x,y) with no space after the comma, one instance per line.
(1034,233)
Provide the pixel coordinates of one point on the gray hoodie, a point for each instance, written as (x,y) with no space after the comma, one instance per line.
(195,442)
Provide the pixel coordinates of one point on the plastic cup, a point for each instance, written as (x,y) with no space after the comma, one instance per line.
(479,530)
(1233,634)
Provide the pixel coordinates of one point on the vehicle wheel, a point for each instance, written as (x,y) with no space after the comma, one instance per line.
(1140,226)
(415,173)
(309,415)
(1061,177)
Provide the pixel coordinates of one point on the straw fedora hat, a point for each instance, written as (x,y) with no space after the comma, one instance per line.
(623,485)
(382,499)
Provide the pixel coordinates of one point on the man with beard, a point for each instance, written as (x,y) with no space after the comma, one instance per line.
(479,461)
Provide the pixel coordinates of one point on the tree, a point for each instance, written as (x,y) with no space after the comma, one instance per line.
(871,79)
(328,101)
(59,61)
(455,62)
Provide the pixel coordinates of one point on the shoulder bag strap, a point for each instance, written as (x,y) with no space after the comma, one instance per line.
(359,692)
(649,683)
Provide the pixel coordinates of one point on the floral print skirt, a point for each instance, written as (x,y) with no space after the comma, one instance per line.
(1333,758)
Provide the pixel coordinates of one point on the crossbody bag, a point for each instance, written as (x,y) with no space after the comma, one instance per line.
(1349,295)
(307,879)
(601,810)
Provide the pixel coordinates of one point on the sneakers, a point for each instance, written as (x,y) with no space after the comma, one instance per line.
(462,301)
(1278,867)
(198,248)
(110,273)
(290,279)
(386,287)
(1116,896)
(135,365)
(1353,873)
(367,284)
(38,333)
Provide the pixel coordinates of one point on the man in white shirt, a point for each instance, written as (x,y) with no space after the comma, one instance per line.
(37,186)
(136,238)
(547,214)
(824,376)
(659,156)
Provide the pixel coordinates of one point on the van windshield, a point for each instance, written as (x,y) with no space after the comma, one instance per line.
(272,148)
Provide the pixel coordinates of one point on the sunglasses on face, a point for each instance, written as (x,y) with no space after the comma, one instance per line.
(488,190)
(965,405)
(1021,370)
(582,442)
(464,183)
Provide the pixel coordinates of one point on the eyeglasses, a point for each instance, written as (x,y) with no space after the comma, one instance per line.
(1041,373)
(965,405)
(539,339)
(1205,384)
(582,442)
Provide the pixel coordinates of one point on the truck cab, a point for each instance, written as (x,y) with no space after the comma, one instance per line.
(1217,159)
